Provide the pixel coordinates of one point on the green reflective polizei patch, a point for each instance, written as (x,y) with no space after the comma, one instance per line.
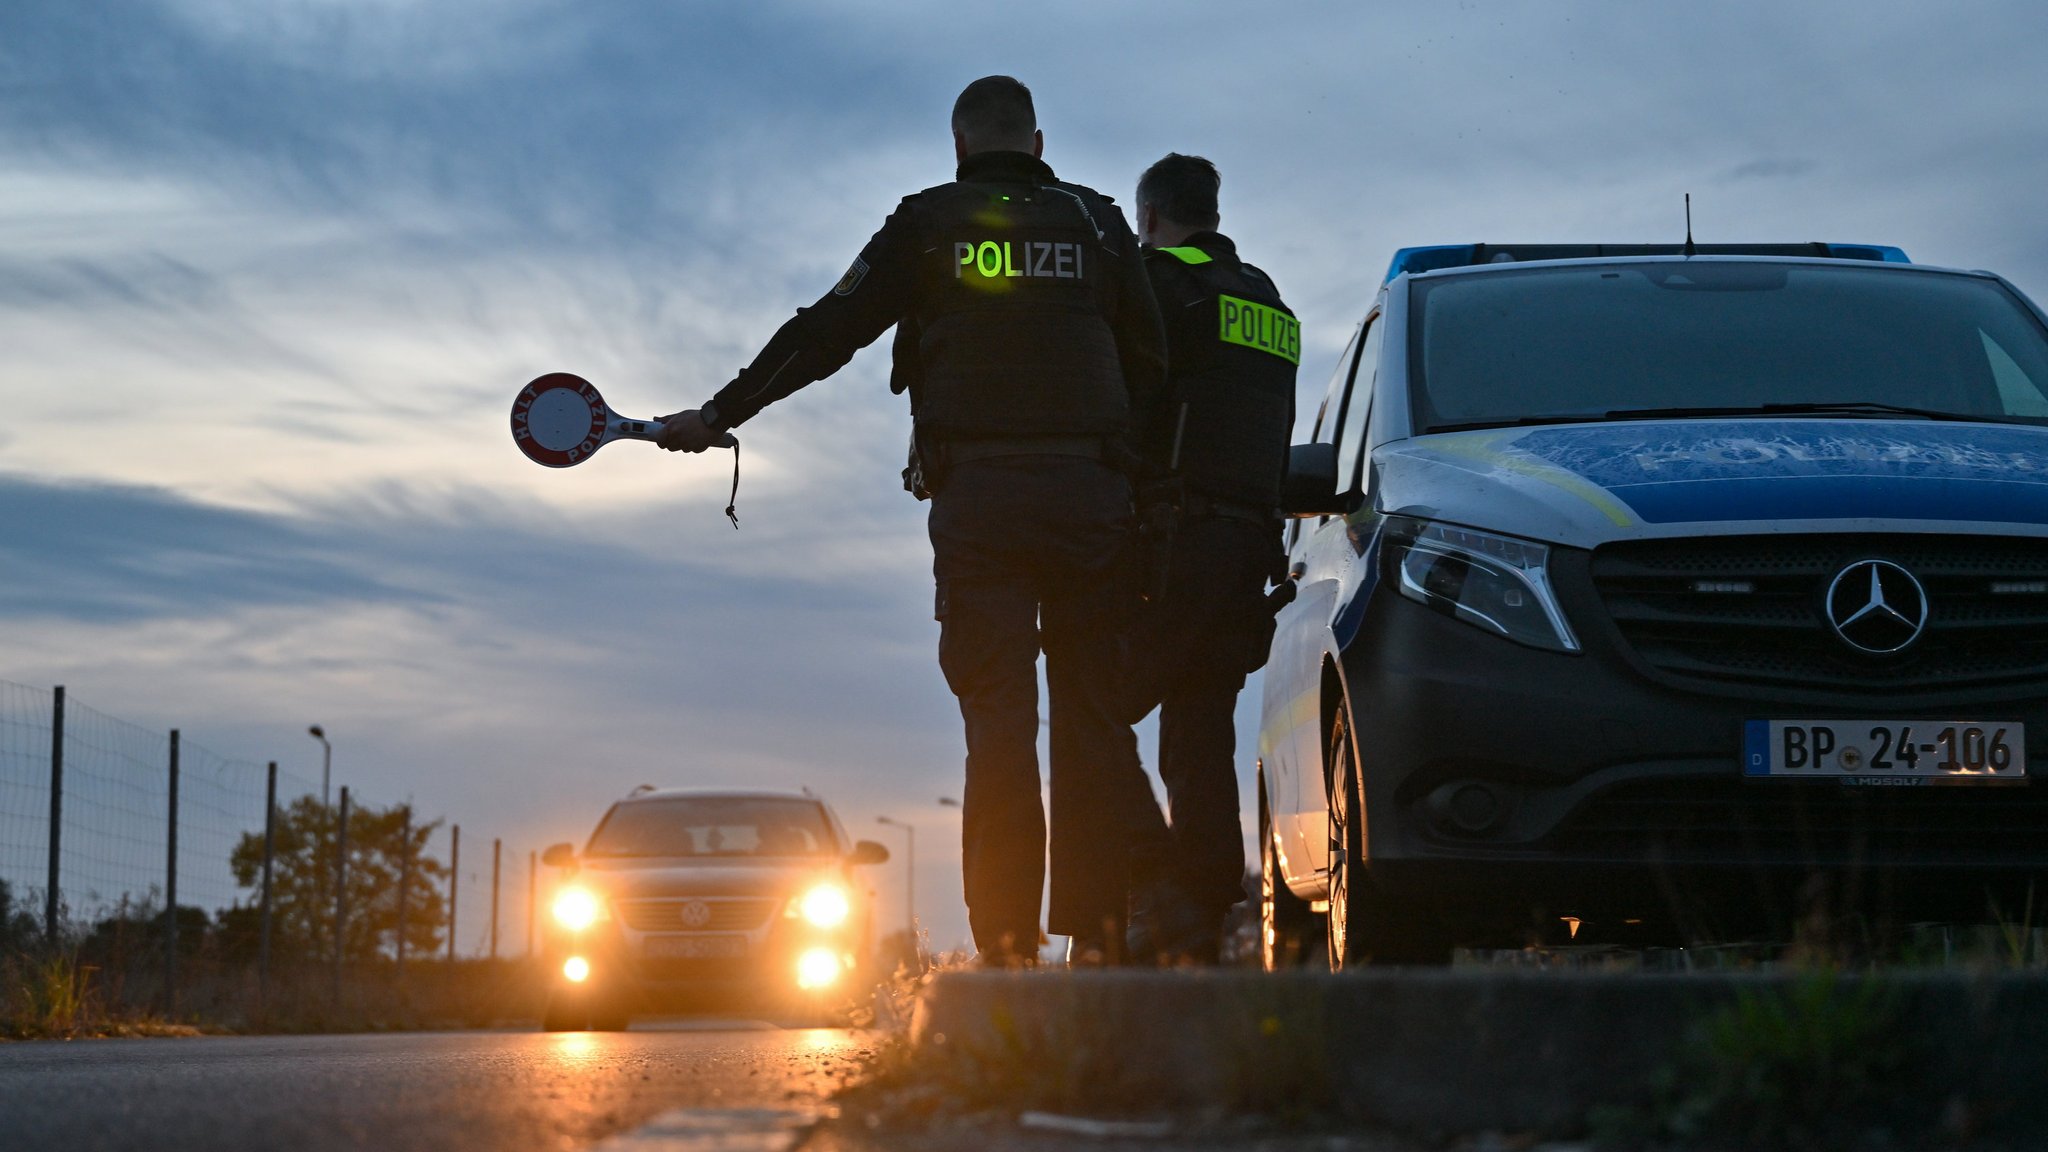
(1259,326)
(1188,255)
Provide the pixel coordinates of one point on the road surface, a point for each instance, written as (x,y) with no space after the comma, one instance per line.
(402,1092)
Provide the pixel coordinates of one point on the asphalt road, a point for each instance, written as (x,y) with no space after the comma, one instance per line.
(407,1092)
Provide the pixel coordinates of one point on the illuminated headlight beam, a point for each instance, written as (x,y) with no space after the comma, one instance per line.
(825,906)
(577,909)
(818,968)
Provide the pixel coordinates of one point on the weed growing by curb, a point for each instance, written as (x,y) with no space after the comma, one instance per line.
(1823,1063)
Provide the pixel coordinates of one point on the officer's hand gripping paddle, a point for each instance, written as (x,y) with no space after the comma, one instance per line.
(559,420)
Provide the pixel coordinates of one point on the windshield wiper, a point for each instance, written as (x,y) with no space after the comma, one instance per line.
(1820,408)
(1514,422)
(1817,408)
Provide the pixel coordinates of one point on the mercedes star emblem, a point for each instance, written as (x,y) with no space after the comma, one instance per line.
(1877,607)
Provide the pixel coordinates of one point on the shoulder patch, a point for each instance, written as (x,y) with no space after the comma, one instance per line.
(1189,255)
(852,279)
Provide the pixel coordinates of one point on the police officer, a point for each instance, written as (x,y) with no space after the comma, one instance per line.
(1030,345)
(1233,347)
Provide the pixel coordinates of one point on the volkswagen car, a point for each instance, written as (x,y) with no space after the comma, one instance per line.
(1661,593)
(683,894)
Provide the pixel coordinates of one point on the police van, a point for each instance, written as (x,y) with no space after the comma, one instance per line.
(1658,593)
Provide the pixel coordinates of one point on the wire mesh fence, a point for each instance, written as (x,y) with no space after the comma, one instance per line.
(105,824)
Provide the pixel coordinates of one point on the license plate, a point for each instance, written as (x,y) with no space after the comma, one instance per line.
(1883,752)
(696,947)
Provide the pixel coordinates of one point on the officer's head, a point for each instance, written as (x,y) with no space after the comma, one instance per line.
(994,114)
(1177,198)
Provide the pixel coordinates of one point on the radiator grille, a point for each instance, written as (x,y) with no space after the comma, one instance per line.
(1777,633)
(725,915)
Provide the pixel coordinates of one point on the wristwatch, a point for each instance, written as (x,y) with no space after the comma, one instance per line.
(709,414)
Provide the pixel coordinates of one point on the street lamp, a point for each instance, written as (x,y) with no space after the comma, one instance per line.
(910,872)
(326,759)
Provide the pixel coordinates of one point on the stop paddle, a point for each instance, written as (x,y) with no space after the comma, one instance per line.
(560,420)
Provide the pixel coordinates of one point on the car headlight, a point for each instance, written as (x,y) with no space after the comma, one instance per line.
(1499,583)
(818,968)
(824,906)
(578,908)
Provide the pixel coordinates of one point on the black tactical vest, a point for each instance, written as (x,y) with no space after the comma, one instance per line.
(1011,334)
(1233,350)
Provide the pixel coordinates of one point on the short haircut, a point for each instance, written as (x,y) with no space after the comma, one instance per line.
(1183,189)
(995,112)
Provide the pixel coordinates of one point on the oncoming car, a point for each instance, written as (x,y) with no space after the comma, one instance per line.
(693,892)
(1654,593)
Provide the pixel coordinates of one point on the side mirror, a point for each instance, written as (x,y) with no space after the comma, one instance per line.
(559,856)
(867,852)
(1310,487)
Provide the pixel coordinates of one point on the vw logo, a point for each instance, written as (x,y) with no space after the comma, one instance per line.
(696,914)
(1877,607)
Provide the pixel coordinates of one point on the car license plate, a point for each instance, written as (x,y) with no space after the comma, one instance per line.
(1887,752)
(696,947)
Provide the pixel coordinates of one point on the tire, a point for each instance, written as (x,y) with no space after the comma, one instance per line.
(1365,926)
(1290,934)
(1347,845)
(565,1012)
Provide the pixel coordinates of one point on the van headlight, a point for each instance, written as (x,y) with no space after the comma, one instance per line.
(825,906)
(1499,583)
(578,908)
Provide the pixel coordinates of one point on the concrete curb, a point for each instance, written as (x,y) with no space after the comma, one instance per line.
(1445,1051)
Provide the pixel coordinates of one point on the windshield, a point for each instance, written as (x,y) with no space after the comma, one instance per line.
(714,826)
(1602,341)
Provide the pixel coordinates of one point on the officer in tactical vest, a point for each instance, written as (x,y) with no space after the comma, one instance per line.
(1232,349)
(1030,345)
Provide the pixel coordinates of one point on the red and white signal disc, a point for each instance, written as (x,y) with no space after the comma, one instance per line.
(559,419)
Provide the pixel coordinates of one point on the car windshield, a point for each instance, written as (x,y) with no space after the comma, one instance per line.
(1712,338)
(714,826)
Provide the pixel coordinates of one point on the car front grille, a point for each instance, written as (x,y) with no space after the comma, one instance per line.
(1985,628)
(1768,821)
(668,915)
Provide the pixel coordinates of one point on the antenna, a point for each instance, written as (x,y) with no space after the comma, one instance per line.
(1690,248)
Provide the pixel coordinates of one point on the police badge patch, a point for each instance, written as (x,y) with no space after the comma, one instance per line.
(852,279)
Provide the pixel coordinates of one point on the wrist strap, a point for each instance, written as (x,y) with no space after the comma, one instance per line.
(732,501)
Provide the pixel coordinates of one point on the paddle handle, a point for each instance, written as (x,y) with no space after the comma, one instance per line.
(624,429)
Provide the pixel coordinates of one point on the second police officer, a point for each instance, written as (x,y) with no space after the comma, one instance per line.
(1030,345)
(1232,350)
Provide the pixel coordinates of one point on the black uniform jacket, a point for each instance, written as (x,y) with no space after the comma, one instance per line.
(1022,300)
(1233,347)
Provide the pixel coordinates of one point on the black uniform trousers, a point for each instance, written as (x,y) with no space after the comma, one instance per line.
(1028,552)
(1195,644)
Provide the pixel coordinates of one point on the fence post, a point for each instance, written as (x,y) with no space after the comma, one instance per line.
(269,852)
(51,898)
(454,882)
(404,883)
(171,889)
(532,898)
(496,852)
(340,894)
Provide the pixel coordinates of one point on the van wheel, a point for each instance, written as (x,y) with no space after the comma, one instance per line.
(1290,934)
(1365,926)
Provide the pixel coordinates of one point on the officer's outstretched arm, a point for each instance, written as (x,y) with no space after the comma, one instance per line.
(819,340)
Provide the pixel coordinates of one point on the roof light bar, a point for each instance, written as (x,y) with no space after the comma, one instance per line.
(1430,258)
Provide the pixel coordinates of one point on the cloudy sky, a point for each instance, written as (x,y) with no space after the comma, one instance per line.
(271,272)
